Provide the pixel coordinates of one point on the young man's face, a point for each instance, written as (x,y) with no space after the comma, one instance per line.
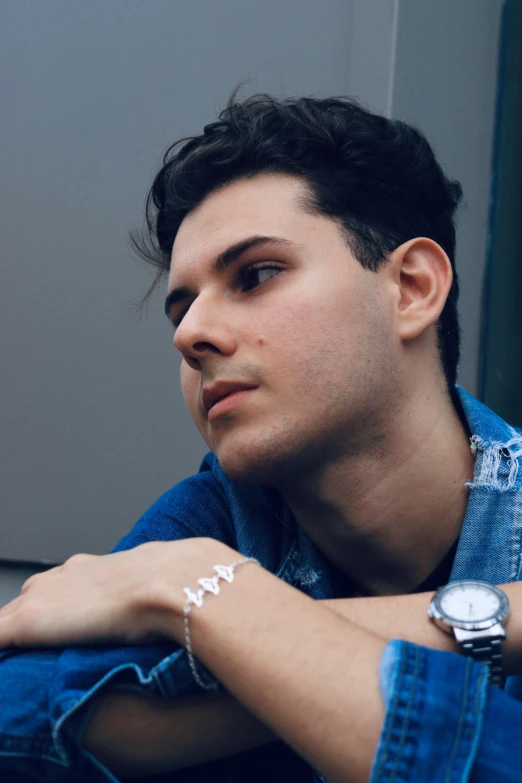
(300,321)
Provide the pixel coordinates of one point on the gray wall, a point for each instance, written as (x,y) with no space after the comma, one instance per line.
(95,428)
(446,83)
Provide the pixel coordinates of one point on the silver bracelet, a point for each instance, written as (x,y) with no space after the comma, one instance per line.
(207,586)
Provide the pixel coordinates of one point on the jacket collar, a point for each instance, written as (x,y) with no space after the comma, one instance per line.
(490,543)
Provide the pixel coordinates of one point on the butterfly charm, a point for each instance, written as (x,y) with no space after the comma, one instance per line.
(209,585)
(225,572)
(194,598)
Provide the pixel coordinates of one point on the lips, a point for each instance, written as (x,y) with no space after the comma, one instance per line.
(221,389)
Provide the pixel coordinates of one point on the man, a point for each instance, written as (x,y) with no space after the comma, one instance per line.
(309,246)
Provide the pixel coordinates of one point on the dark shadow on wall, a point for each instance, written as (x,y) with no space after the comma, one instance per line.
(500,382)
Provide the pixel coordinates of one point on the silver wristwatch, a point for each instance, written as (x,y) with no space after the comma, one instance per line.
(475,613)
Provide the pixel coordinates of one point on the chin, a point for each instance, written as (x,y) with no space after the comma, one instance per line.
(266,461)
(249,469)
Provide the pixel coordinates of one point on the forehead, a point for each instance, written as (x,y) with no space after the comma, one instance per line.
(265,204)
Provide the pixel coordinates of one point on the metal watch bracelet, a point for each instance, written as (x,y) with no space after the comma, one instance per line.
(488,650)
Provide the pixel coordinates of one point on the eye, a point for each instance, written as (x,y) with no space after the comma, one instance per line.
(176,321)
(249,278)
(256,274)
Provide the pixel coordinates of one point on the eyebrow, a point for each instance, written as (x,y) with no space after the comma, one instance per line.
(224,260)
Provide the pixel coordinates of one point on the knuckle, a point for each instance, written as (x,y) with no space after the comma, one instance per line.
(80,557)
(28,583)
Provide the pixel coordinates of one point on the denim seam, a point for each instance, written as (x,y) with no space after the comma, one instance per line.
(392,711)
(35,751)
(32,755)
(409,707)
(460,724)
(479,707)
(516,535)
(394,718)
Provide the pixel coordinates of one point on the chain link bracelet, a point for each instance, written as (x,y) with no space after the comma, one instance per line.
(208,585)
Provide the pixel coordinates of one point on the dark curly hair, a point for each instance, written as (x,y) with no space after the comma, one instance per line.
(377,178)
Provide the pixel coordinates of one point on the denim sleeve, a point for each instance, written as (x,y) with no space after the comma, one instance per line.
(443,722)
(48,696)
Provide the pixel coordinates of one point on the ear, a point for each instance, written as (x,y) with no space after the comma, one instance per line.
(422,275)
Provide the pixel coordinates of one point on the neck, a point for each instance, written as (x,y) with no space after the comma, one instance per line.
(387,515)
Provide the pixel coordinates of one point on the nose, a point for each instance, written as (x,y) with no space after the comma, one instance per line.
(204,332)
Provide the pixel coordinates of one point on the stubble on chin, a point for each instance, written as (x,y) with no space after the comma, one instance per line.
(272,456)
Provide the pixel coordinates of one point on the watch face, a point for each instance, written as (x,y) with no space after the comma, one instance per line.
(471,602)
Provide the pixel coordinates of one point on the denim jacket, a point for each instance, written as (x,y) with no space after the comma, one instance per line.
(443,722)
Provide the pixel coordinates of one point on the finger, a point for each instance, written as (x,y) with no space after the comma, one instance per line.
(17,628)
(7,616)
(5,631)
(10,607)
(26,626)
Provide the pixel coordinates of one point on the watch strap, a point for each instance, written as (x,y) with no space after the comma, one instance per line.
(487,651)
(484,647)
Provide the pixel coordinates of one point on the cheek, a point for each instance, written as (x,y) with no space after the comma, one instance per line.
(324,338)
(302,331)
(189,380)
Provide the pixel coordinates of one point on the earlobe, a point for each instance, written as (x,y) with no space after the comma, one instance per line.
(424,275)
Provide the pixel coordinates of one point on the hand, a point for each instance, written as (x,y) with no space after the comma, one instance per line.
(131,597)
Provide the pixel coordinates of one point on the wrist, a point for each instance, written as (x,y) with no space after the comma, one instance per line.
(166,598)
(498,643)
(224,574)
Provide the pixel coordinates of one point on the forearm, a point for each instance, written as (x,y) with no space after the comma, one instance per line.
(310,675)
(135,735)
(266,642)
(405,617)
